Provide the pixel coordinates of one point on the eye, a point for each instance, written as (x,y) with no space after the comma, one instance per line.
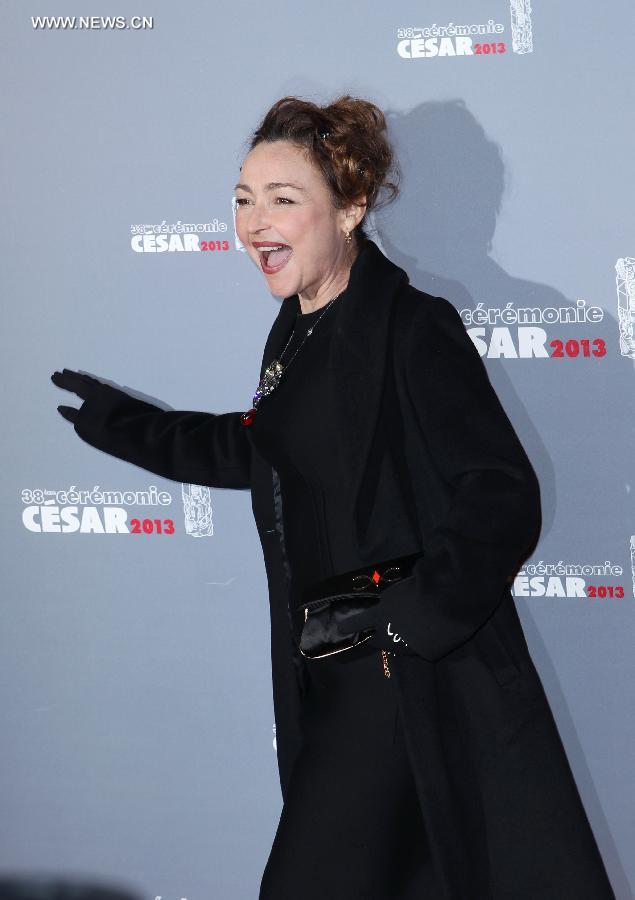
(241,201)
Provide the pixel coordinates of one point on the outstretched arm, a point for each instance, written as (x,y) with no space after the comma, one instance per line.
(193,447)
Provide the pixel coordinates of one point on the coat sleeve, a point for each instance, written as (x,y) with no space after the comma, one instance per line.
(493,515)
(192,447)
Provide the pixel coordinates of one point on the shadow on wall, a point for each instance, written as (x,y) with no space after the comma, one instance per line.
(440,231)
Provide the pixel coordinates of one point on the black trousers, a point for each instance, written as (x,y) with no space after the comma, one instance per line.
(351,827)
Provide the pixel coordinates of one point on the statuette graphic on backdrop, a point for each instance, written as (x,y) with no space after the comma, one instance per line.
(625,282)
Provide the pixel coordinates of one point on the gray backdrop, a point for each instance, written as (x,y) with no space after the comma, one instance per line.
(126,758)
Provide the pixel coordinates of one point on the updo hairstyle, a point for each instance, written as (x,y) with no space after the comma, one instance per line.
(346,140)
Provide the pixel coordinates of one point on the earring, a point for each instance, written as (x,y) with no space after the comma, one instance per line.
(348,237)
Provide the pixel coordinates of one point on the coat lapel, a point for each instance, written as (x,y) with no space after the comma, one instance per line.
(357,356)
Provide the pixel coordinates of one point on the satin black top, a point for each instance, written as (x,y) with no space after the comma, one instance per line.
(294,431)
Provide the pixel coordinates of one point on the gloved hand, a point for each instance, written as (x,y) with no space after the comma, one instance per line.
(83,385)
(384,617)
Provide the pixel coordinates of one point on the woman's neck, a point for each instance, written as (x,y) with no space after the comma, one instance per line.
(325,294)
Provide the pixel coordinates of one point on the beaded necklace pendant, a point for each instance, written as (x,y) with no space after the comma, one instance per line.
(274,371)
(268,383)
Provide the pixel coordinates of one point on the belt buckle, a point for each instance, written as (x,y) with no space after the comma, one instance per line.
(366,580)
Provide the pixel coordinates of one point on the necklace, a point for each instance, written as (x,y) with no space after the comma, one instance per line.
(274,371)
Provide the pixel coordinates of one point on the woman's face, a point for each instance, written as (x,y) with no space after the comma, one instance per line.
(282,199)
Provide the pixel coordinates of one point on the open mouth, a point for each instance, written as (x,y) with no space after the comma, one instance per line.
(274,257)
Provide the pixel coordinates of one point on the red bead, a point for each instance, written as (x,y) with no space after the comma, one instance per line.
(376,576)
(248,417)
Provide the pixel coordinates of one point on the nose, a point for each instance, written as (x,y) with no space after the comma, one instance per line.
(258,219)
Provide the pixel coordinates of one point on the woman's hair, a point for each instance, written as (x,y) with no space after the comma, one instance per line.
(346,140)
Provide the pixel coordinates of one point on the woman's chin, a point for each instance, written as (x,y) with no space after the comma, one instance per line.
(278,291)
(281,284)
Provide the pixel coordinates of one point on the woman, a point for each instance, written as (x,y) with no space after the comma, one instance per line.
(424,762)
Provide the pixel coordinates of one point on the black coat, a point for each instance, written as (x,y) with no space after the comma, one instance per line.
(502,811)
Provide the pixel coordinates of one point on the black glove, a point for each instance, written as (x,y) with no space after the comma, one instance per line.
(384,618)
(83,385)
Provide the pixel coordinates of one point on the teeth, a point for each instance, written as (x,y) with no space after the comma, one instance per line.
(272,247)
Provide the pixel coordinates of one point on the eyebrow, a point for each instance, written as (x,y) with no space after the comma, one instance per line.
(272,186)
